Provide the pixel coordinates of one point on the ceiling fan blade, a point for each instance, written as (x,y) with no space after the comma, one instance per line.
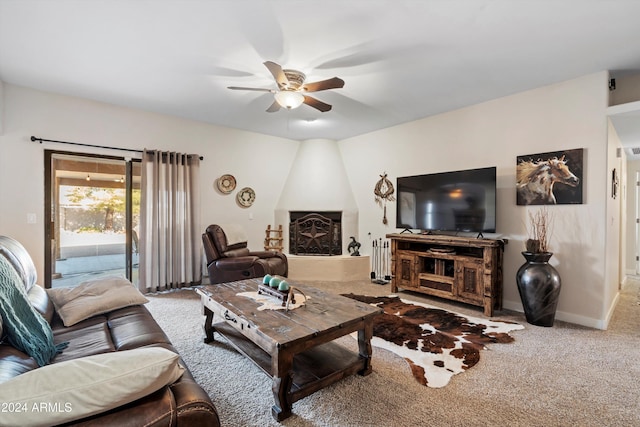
(317,104)
(332,83)
(274,107)
(257,89)
(278,74)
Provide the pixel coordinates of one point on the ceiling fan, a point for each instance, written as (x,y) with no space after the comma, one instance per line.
(292,88)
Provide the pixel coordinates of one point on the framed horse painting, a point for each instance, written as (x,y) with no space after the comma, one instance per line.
(553,178)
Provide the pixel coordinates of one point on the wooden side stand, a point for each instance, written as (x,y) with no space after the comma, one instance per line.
(273,239)
(463,269)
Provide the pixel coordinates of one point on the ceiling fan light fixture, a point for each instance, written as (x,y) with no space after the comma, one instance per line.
(289,99)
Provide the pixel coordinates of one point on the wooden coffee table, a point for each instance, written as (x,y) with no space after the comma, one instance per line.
(293,347)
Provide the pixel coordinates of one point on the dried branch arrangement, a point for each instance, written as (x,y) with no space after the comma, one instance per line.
(540,230)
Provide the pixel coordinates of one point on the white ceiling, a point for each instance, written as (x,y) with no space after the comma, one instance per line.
(401,60)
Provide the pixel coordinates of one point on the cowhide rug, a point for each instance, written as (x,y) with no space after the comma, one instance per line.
(436,343)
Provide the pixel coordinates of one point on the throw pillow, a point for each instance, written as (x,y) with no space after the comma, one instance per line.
(93,297)
(235,234)
(75,389)
(26,329)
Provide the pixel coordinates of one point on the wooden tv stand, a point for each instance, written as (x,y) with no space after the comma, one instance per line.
(465,269)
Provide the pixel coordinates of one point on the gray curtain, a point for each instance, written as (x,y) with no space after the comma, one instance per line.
(170,242)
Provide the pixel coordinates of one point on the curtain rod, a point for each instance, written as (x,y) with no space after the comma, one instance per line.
(41,140)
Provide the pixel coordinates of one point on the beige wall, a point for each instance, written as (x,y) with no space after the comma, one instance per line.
(250,157)
(615,214)
(627,90)
(562,116)
(633,168)
(1,106)
(567,115)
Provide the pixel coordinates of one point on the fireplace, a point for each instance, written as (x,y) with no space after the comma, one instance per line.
(315,233)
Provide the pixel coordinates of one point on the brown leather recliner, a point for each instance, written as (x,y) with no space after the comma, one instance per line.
(229,260)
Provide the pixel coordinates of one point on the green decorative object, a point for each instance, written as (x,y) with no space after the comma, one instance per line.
(26,329)
(275,282)
(266,279)
(283,286)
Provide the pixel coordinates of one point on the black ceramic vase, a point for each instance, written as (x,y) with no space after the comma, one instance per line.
(539,287)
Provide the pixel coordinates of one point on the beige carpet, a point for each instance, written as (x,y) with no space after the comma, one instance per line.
(562,376)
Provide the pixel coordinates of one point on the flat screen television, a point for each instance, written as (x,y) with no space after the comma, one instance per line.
(448,201)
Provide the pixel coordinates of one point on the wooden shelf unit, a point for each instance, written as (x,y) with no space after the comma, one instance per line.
(471,272)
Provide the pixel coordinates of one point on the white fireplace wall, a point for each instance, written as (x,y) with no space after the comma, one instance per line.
(318,182)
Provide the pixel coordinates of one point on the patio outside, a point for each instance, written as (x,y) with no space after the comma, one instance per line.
(89,255)
(91,235)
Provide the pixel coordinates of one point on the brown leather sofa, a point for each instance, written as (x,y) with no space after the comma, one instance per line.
(183,403)
(228,262)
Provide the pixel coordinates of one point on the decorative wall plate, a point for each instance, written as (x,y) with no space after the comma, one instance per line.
(246,197)
(226,183)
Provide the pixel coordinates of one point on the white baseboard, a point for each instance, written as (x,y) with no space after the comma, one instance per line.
(566,317)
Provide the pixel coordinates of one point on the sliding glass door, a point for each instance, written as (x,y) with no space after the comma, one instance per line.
(92,211)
